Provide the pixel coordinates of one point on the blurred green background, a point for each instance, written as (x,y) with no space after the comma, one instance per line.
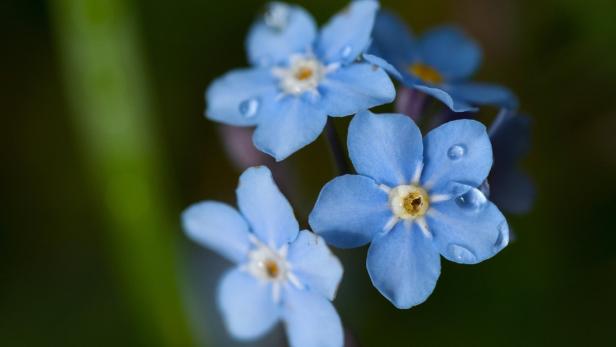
(103,144)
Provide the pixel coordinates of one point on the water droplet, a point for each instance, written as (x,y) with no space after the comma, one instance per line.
(249,108)
(456,152)
(461,254)
(503,236)
(276,16)
(346,51)
(473,200)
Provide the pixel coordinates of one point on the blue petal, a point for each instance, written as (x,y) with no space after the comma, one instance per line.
(266,209)
(392,39)
(282,31)
(404,266)
(311,320)
(291,123)
(347,34)
(354,88)
(385,147)
(456,152)
(219,227)
(484,94)
(468,229)
(314,264)
(378,61)
(450,51)
(236,97)
(350,210)
(455,104)
(247,305)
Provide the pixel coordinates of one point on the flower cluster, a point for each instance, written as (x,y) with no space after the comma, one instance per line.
(414,199)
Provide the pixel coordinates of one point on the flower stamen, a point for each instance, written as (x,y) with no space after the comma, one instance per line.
(425,73)
(409,201)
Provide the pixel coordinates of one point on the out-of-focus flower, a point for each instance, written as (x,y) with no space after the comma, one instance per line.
(412,200)
(300,76)
(281,273)
(439,63)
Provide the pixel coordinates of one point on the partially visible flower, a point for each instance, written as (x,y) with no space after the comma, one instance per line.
(439,63)
(508,186)
(300,76)
(281,273)
(412,200)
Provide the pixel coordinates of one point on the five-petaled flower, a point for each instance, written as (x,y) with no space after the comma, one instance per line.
(413,200)
(300,76)
(281,274)
(439,63)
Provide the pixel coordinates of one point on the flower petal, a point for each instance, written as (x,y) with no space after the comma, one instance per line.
(314,264)
(457,152)
(347,34)
(350,210)
(266,209)
(385,147)
(484,94)
(236,97)
(247,305)
(219,227)
(403,265)
(355,88)
(468,229)
(455,104)
(450,51)
(392,40)
(284,30)
(311,320)
(385,65)
(291,123)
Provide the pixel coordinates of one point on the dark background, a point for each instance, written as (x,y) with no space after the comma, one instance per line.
(90,256)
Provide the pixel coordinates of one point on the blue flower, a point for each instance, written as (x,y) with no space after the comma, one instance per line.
(281,273)
(300,76)
(412,200)
(439,63)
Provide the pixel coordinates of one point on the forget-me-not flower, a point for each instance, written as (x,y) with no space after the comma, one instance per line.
(413,200)
(300,76)
(439,63)
(281,273)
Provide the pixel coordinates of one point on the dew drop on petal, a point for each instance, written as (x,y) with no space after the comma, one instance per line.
(276,16)
(503,235)
(473,200)
(346,51)
(461,254)
(456,152)
(249,108)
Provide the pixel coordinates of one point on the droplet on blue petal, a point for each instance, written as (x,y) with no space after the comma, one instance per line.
(473,200)
(249,108)
(346,51)
(461,254)
(276,16)
(456,152)
(503,235)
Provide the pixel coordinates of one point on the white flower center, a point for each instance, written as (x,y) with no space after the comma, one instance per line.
(409,201)
(267,264)
(303,74)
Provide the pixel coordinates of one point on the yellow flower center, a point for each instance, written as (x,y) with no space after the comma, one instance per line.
(303,73)
(271,268)
(409,201)
(426,73)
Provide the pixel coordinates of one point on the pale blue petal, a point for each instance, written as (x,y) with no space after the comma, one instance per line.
(347,34)
(468,229)
(291,123)
(350,210)
(385,147)
(316,267)
(457,152)
(455,104)
(284,30)
(219,227)
(404,266)
(450,51)
(484,94)
(247,305)
(236,97)
(268,212)
(378,61)
(355,88)
(311,320)
(392,40)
